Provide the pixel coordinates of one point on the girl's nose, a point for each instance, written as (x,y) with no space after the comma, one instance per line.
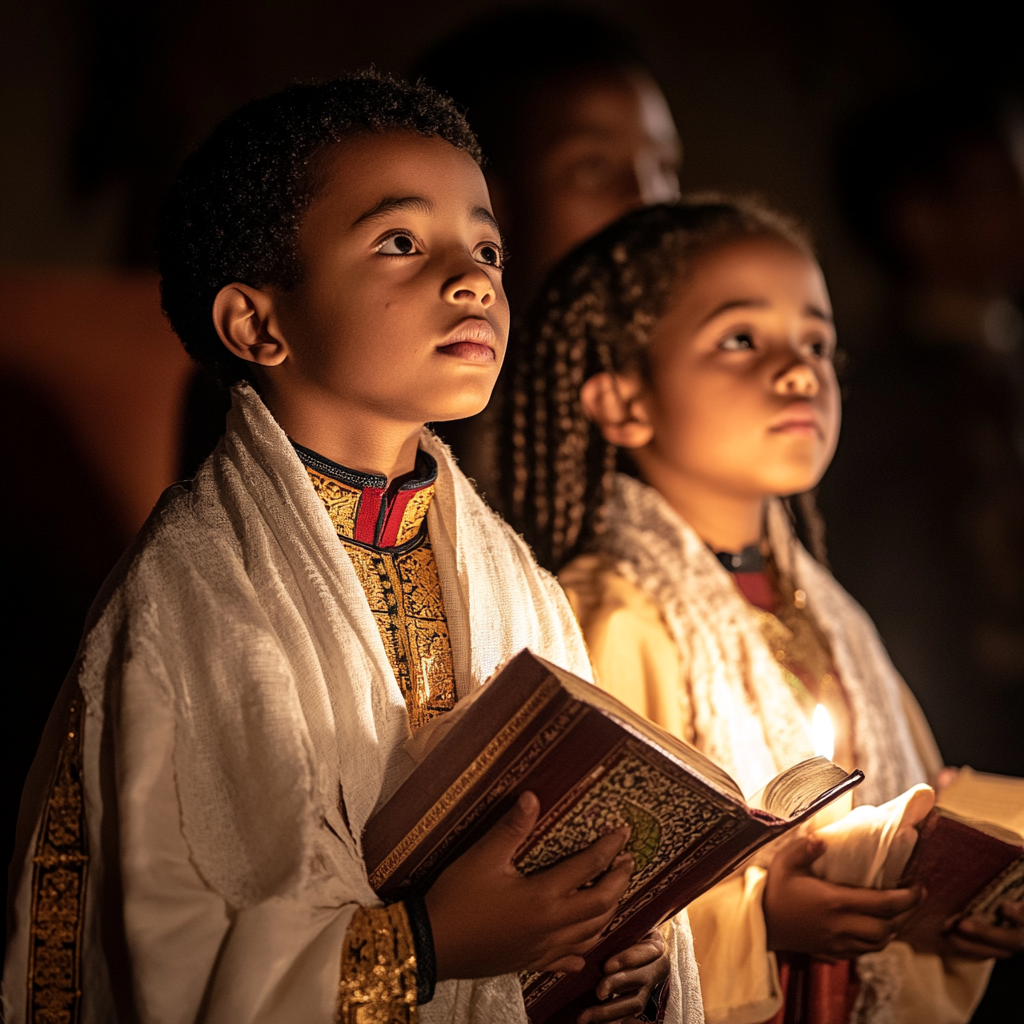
(798,381)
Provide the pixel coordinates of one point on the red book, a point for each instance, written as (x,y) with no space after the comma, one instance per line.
(595,766)
(969,855)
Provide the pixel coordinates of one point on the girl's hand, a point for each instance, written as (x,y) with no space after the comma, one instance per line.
(974,939)
(630,978)
(488,919)
(805,914)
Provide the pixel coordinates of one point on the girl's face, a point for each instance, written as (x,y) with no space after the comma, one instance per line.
(743,397)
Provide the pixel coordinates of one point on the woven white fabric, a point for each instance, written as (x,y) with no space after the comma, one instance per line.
(746,716)
(234,665)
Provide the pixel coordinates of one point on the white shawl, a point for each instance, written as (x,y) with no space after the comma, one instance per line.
(234,678)
(745,714)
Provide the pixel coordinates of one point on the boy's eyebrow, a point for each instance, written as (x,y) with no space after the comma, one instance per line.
(809,310)
(481,215)
(389,204)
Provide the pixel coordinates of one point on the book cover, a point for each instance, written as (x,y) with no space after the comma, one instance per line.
(595,766)
(969,855)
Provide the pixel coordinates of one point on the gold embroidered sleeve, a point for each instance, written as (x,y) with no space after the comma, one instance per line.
(378,968)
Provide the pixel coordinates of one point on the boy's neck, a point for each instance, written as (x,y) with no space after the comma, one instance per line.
(362,440)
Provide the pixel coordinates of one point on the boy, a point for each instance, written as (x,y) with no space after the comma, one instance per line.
(189,845)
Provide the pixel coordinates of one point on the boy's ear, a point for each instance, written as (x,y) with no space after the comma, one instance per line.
(616,404)
(244,319)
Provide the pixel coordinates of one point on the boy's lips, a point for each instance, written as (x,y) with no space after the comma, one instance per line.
(471,339)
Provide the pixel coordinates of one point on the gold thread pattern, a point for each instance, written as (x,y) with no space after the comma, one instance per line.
(404,593)
(414,514)
(403,589)
(378,969)
(340,500)
(59,870)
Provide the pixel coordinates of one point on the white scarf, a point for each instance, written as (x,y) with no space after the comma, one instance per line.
(745,714)
(239,600)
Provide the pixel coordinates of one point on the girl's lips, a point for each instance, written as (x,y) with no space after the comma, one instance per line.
(473,351)
(802,426)
(472,339)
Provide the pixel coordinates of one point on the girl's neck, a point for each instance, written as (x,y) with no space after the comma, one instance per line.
(724,521)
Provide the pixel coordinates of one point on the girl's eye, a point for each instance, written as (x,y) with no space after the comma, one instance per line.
(822,348)
(397,245)
(490,254)
(739,342)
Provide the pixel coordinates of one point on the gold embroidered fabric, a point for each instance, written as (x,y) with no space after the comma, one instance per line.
(804,655)
(378,968)
(59,871)
(404,593)
(402,587)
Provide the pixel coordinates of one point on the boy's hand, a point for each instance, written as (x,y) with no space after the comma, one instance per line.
(974,939)
(805,914)
(630,978)
(488,919)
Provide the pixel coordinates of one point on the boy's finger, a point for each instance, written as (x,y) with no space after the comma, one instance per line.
(507,834)
(586,865)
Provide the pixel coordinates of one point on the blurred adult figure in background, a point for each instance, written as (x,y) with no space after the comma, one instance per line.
(925,503)
(575,132)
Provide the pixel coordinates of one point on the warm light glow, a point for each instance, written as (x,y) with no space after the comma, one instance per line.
(822,736)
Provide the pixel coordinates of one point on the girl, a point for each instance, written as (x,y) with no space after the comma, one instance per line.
(691,347)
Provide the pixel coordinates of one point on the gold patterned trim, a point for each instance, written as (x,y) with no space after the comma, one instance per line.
(451,796)
(378,968)
(59,870)
(414,513)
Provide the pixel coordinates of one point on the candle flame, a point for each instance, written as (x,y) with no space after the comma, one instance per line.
(822,735)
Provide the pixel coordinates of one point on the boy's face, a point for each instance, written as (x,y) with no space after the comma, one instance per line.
(400,311)
(743,398)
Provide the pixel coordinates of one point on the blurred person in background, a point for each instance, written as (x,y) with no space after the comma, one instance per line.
(925,504)
(576,131)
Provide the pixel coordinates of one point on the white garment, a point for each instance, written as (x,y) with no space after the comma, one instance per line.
(235,684)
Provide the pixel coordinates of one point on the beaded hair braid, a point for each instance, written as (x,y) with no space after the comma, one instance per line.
(595,314)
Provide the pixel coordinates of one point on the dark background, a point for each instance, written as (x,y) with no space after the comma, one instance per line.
(100,102)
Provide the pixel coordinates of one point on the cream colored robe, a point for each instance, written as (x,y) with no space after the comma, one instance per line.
(235,686)
(671,635)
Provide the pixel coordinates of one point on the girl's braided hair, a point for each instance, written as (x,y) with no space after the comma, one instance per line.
(595,314)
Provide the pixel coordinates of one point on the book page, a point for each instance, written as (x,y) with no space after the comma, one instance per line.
(980,797)
(795,789)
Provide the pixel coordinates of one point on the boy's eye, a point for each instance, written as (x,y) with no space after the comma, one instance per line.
(489,254)
(738,342)
(397,245)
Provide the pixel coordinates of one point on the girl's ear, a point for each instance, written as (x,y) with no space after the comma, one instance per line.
(616,404)
(244,319)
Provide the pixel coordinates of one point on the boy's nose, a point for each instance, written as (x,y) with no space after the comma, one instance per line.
(799,380)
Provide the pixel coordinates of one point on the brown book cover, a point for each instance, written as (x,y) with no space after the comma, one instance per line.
(595,766)
(967,866)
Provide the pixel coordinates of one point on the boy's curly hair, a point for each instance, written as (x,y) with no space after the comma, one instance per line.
(595,314)
(235,210)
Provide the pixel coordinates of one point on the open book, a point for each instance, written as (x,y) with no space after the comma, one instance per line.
(969,855)
(595,766)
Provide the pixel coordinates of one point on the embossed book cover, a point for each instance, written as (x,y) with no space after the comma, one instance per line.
(969,855)
(594,765)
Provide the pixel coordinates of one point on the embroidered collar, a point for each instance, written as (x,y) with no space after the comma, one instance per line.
(364,508)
